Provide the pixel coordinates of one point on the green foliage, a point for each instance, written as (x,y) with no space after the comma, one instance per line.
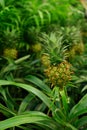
(42,37)
(29,117)
(53,46)
(60,115)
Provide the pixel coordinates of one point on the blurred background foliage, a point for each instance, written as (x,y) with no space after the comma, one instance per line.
(39,41)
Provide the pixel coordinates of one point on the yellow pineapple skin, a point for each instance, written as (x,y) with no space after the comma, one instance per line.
(59,74)
(10,53)
(45,60)
(36,47)
(71,53)
(79,48)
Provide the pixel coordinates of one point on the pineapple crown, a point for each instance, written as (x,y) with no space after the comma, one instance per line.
(11,37)
(53,46)
(72,35)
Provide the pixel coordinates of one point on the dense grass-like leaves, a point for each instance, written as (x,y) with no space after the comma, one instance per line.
(25,102)
(39,83)
(30,117)
(79,109)
(31,89)
(6,111)
(81,122)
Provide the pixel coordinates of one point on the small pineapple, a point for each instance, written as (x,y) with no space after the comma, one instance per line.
(71,53)
(36,47)
(79,48)
(45,60)
(59,74)
(10,53)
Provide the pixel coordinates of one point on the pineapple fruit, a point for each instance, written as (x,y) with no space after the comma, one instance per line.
(77,49)
(59,74)
(36,47)
(10,53)
(45,60)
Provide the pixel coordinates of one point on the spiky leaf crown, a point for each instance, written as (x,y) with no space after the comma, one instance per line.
(53,46)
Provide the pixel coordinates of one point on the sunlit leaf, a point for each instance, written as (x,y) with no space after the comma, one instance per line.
(81,122)
(38,82)
(2,2)
(30,117)
(79,109)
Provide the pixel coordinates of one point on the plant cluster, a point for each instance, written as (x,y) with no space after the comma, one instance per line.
(43,65)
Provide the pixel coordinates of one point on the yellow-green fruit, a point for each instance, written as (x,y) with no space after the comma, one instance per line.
(10,53)
(59,74)
(36,47)
(71,53)
(79,48)
(45,60)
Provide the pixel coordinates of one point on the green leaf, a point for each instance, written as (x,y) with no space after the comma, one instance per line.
(18,61)
(79,109)
(64,101)
(36,20)
(60,118)
(2,3)
(85,88)
(8,99)
(31,89)
(25,102)
(6,111)
(38,82)
(70,126)
(13,64)
(30,117)
(41,17)
(48,14)
(81,122)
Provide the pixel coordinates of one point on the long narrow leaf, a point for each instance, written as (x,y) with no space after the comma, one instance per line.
(64,101)
(25,102)
(5,110)
(79,109)
(31,89)
(62,121)
(38,82)
(31,117)
(41,17)
(81,122)
(2,3)
(85,88)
